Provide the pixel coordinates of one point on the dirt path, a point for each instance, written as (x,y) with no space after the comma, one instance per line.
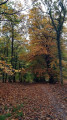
(40,101)
(56,103)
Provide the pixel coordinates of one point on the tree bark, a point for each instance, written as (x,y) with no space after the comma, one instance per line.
(12,49)
(60,58)
(4,2)
(51,78)
(3,77)
(12,38)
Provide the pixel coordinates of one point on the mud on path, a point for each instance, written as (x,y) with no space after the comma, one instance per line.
(40,101)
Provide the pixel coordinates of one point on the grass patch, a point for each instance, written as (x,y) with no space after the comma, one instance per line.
(8,115)
(3,117)
(18,107)
(16,110)
(5,108)
(19,114)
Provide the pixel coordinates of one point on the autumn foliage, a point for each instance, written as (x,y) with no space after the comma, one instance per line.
(42,47)
(28,47)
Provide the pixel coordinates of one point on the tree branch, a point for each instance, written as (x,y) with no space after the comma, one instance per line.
(4,2)
(52,20)
(10,13)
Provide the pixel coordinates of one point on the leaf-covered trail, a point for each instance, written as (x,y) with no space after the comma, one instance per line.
(57,103)
(40,101)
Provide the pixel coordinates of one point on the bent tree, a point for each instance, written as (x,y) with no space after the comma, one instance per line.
(57,13)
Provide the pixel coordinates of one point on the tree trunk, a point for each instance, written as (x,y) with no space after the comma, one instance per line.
(60,58)
(3,77)
(51,78)
(12,44)
(14,78)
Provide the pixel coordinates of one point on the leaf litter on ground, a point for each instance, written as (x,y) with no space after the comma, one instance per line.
(33,101)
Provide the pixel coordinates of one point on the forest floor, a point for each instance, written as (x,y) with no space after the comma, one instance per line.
(33,101)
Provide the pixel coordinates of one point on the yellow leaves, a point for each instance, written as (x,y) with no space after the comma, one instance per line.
(18,37)
(7,68)
(17,71)
(44,21)
(22,16)
(4,29)
(65,74)
(23,69)
(32,13)
(19,5)
(4,7)
(1,67)
(48,26)
(8,71)
(64,63)
(53,64)
(30,16)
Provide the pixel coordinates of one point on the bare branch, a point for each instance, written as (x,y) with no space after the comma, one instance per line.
(4,2)
(10,13)
(52,20)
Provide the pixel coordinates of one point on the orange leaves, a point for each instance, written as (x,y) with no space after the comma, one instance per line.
(39,101)
(42,43)
(38,50)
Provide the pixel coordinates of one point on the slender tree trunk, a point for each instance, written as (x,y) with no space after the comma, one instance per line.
(7,51)
(12,37)
(14,78)
(60,58)
(9,80)
(20,75)
(12,44)
(3,77)
(15,65)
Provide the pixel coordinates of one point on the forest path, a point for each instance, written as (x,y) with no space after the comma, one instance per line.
(40,101)
(56,99)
